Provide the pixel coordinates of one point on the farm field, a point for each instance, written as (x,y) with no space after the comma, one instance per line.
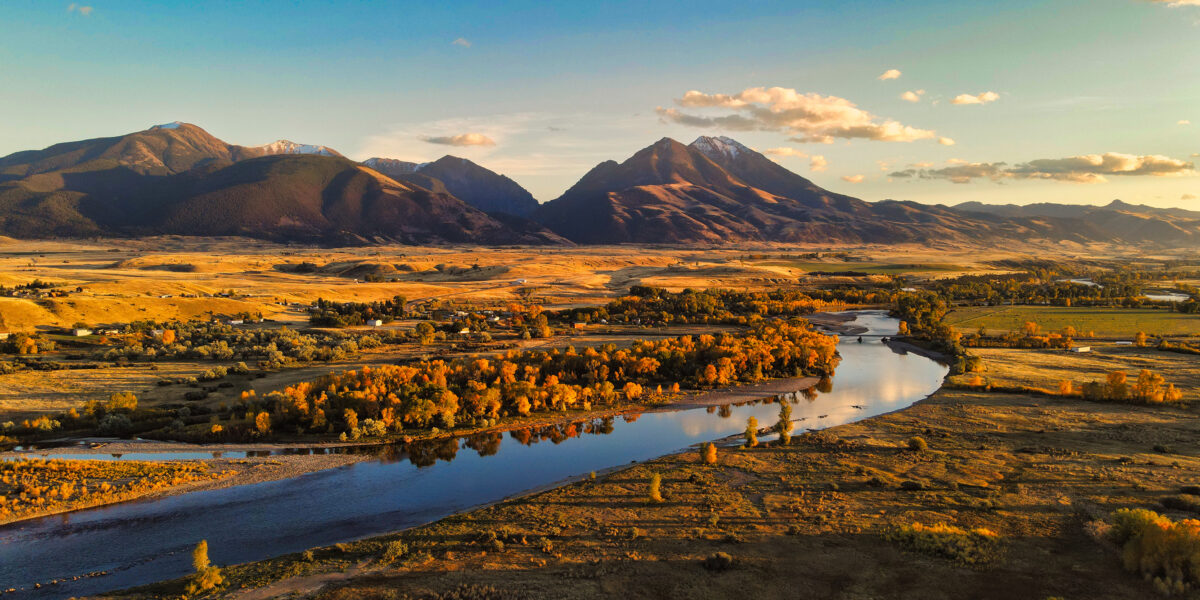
(1103,322)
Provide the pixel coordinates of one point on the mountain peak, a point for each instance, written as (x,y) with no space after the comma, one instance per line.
(290,147)
(171,125)
(719,147)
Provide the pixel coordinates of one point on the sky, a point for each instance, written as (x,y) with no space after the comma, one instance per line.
(1021,101)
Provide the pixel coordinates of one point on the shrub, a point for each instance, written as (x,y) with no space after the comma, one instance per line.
(972,547)
(1164,551)
(656,488)
(709,454)
(718,562)
(751,432)
(394,551)
(115,425)
(917,444)
(207,576)
(1182,502)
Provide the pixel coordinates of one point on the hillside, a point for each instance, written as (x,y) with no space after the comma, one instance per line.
(178,179)
(1116,221)
(480,187)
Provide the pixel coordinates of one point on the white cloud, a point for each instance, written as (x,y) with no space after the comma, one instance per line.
(808,117)
(464,42)
(883,165)
(1089,168)
(462,139)
(83,10)
(1177,3)
(912,96)
(787,152)
(982,98)
(890,74)
(945,141)
(853,178)
(818,163)
(1183,122)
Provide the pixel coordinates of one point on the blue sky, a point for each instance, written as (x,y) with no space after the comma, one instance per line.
(557,89)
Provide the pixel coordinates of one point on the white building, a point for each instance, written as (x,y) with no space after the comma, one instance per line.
(375,323)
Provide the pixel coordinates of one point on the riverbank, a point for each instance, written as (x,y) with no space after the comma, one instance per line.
(822,514)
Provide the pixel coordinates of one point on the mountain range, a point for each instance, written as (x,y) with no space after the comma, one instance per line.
(179,179)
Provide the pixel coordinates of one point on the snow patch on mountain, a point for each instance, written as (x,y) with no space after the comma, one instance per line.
(289,147)
(393,165)
(719,147)
(171,125)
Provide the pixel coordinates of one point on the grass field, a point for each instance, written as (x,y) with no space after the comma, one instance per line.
(1104,322)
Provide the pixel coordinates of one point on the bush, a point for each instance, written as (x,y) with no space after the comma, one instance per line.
(972,547)
(709,454)
(1164,551)
(656,488)
(115,425)
(394,551)
(917,444)
(718,562)
(1182,502)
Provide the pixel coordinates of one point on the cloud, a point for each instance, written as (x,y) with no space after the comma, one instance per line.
(462,139)
(464,42)
(922,165)
(912,96)
(853,178)
(945,141)
(83,10)
(883,165)
(787,152)
(1188,197)
(982,98)
(890,74)
(807,117)
(1177,3)
(1183,122)
(1089,168)
(817,163)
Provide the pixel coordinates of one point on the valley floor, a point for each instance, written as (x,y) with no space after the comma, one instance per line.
(813,518)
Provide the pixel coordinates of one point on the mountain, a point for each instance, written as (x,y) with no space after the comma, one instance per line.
(1116,221)
(289,147)
(716,190)
(484,189)
(178,179)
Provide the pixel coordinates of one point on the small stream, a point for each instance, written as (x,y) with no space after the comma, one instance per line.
(145,541)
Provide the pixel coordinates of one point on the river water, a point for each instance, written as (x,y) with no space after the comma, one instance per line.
(147,541)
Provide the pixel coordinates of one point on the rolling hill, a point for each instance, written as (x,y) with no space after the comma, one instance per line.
(484,189)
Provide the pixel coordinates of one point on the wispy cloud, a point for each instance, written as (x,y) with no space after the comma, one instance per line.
(945,141)
(912,96)
(809,117)
(1090,168)
(462,139)
(1183,122)
(81,9)
(464,42)
(818,163)
(854,178)
(890,74)
(982,98)
(786,152)
(1188,197)
(1177,3)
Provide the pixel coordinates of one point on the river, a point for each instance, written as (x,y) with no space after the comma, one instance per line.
(145,541)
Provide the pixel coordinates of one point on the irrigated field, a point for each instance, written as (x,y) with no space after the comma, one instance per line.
(1103,322)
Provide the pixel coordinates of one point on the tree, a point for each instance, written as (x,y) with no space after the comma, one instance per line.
(1066,387)
(207,576)
(1031,328)
(263,423)
(784,426)
(709,454)
(168,337)
(656,488)
(751,432)
(1141,340)
(903,330)
(1117,388)
(351,418)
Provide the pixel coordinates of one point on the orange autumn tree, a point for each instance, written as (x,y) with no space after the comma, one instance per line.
(438,393)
